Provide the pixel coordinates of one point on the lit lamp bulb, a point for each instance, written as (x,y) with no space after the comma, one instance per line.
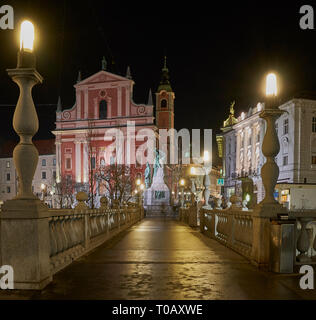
(271,85)
(26,57)
(27,36)
(138,182)
(192,171)
(182,182)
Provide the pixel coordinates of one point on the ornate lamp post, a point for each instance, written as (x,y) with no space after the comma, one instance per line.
(25,121)
(25,243)
(207,183)
(270,145)
(182,183)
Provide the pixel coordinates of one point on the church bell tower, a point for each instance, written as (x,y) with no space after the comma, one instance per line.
(165,101)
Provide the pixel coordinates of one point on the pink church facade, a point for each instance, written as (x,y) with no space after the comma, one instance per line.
(103,101)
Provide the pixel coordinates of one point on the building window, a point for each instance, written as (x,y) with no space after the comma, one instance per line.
(229,148)
(163,103)
(8,164)
(54,162)
(276,128)
(54,174)
(8,189)
(285,160)
(43,162)
(8,176)
(43,174)
(103,109)
(314,124)
(314,159)
(285,126)
(68,163)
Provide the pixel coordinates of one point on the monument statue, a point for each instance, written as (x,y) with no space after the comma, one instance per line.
(158,193)
(157,162)
(147,176)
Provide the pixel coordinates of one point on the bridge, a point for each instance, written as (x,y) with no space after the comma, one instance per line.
(154,258)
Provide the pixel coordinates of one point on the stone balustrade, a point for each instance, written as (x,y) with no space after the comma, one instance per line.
(189,215)
(74,232)
(305,236)
(231,227)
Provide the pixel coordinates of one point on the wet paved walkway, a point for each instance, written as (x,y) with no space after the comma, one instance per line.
(164,259)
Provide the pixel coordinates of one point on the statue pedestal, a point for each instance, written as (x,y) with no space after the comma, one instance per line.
(157,197)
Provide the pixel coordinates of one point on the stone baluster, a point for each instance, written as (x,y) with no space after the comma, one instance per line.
(303,242)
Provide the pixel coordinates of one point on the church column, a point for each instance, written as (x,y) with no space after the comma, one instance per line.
(127,97)
(78,102)
(119,102)
(78,161)
(86,104)
(58,161)
(85,162)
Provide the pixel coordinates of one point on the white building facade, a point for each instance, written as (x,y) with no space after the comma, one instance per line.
(240,146)
(44,177)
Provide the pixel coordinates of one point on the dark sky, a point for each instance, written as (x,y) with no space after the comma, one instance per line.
(217,52)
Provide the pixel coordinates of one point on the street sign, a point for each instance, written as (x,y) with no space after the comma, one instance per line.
(220,182)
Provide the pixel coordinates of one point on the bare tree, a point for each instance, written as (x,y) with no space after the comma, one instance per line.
(118,181)
(64,191)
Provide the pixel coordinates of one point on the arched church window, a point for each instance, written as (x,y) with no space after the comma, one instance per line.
(163,103)
(103,109)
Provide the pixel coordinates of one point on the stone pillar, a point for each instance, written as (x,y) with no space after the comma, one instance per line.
(268,208)
(206,186)
(85,163)
(25,243)
(58,161)
(78,161)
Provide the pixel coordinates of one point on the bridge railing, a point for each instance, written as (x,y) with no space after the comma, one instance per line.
(74,232)
(231,227)
(234,228)
(305,251)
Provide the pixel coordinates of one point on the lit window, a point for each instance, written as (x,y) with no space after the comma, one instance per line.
(8,189)
(285,126)
(43,162)
(313,159)
(8,176)
(8,164)
(54,162)
(54,174)
(314,124)
(43,174)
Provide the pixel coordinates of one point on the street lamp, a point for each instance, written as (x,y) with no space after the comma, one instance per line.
(182,183)
(25,120)
(207,183)
(43,188)
(270,145)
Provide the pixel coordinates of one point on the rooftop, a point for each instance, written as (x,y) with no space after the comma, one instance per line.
(44,147)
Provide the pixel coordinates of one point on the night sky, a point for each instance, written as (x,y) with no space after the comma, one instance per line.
(215,53)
